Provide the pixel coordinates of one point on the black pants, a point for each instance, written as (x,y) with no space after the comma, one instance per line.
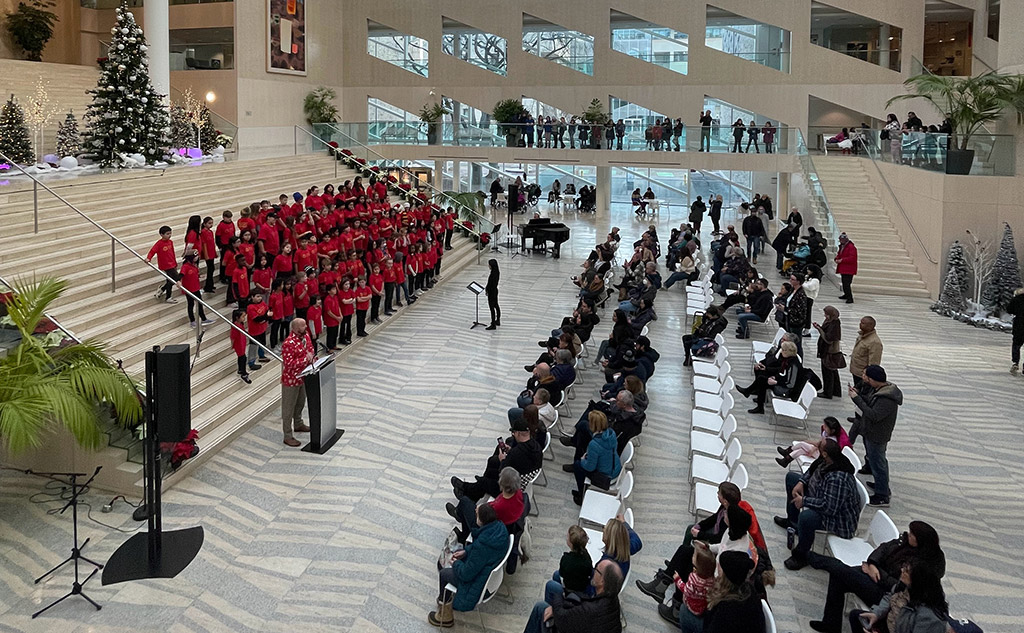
(754,141)
(737,146)
(682,561)
(277,332)
(1018,340)
(241,365)
(300,313)
(375,307)
(847,290)
(758,389)
(223,267)
(843,579)
(492,304)
(809,319)
(346,329)
(172,276)
(831,385)
(389,293)
(714,222)
(332,336)
(448,237)
(191,307)
(360,322)
(209,276)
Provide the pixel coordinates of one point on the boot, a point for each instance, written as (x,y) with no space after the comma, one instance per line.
(443,617)
(781,461)
(656,588)
(785,452)
(670,613)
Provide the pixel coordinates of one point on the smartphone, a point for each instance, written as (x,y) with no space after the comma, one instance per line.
(502,445)
(865,622)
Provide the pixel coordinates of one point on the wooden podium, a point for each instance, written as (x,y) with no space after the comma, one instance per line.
(322,400)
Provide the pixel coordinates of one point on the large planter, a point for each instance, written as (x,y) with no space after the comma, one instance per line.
(432,133)
(959,161)
(511,140)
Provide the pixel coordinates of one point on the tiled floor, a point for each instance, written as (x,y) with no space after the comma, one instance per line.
(347,541)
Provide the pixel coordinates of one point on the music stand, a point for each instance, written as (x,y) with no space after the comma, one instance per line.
(477,290)
(76,550)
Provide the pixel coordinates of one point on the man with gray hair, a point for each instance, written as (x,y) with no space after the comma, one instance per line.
(564,371)
(625,419)
(508,505)
(575,612)
(296,354)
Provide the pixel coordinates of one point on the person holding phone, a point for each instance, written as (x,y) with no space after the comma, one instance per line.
(524,455)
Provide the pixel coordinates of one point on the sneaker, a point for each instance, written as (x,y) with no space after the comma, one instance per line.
(264,359)
(192,324)
(207,321)
(567,468)
(171,300)
(878,502)
(1014,369)
(245,378)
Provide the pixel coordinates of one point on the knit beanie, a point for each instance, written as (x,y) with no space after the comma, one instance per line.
(875,372)
(735,565)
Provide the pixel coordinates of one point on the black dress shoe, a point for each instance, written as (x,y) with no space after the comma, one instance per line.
(529,368)
(567,468)
(782,522)
(793,563)
(458,486)
(565,440)
(491,327)
(543,344)
(450,509)
(577,497)
(818,625)
(756,410)
(864,470)
(870,484)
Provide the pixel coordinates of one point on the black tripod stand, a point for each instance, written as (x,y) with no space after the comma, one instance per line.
(76,550)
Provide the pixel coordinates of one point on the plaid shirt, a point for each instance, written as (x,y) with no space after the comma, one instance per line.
(835,498)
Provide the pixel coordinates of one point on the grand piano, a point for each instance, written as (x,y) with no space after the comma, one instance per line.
(542,231)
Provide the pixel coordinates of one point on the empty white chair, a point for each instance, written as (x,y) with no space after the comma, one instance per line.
(854,551)
(595,538)
(712,422)
(712,384)
(852,456)
(712,401)
(713,444)
(784,407)
(526,483)
(598,506)
(769,618)
(713,470)
(706,495)
(493,580)
(578,365)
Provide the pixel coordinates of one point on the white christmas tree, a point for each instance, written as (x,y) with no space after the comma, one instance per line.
(127,116)
(952,299)
(1004,278)
(39,112)
(69,140)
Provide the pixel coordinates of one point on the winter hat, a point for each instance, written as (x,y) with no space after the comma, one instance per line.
(297,196)
(628,359)
(735,566)
(515,415)
(875,372)
(519,425)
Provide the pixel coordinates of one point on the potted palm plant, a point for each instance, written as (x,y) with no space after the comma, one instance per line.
(968,102)
(431,115)
(319,109)
(509,113)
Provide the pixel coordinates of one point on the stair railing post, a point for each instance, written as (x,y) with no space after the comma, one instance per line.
(113,270)
(35,206)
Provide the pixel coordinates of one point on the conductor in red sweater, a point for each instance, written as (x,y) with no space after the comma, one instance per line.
(846,265)
(296,354)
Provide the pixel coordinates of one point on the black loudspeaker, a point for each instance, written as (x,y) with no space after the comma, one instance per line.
(173,397)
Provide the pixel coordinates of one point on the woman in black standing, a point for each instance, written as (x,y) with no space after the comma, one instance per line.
(492,294)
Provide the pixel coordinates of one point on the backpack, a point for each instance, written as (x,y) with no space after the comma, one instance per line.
(704,348)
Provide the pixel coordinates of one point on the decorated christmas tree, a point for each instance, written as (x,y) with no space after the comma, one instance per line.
(207,133)
(15,143)
(127,116)
(952,299)
(182,132)
(69,140)
(1004,277)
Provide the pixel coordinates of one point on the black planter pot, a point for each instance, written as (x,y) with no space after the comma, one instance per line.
(510,140)
(959,161)
(432,130)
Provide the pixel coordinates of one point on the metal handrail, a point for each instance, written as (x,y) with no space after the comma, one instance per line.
(116,241)
(899,206)
(326,145)
(53,320)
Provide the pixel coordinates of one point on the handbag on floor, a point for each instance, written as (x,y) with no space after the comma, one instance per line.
(451,545)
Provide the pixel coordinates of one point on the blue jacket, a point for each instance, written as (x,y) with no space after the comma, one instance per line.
(603,455)
(489,545)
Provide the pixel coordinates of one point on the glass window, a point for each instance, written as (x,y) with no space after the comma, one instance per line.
(202,49)
(569,48)
(993,19)
(856,36)
(747,39)
(485,50)
(405,51)
(650,42)
(391,124)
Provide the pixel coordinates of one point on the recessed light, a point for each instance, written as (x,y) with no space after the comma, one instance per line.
(891,38)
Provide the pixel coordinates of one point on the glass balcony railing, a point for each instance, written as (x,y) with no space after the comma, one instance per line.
(777,60)
(580,63)
(113,4)
(994,154)
(676,62)
(716,139)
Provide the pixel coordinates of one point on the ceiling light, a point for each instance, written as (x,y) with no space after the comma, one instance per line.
(891,38)
(952,39)
(211,97)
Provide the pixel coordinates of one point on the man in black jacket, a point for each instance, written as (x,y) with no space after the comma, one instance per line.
(753,232)
(760,303)
(576,613)
(525,455)
(697,210)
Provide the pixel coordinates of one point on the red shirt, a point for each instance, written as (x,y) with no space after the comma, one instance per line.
(314,320)
(245,223)
(313,285)
(388,272)
(191,242)
(271,239)
(241,280)
(288,305)
(230,265)
(277,305)
(363,298)
(164,251)
(302,294)
(238,340)
(207,245)
(376,283)
(347,308)
(225,231)
(356,268)
(190,277)
(249,250)
(263,277)
(327,278)
(332,306)
(509,510)
(283,264)
(399,274)
(306,257)
(295,353)
(257,310)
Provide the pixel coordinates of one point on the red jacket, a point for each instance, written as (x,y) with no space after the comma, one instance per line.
(846,259)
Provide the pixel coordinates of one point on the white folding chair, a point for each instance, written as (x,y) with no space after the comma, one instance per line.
(712,421)
(578,365)
(570,390)
(526,483)
(709,366)
(598,506)
(712,401)
(713,444)
(769,618)
(854,551)
(706,495)
(712,384)
(564,402)
(760,348)
(862,502)
(799,410)
(710,469)
(544,454)
(852,456)
(494,580)
(626,458)
(644,331)
(697,303)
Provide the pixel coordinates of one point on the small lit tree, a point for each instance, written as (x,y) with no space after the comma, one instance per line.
(957,282)
(1004,277)
(69,140)
(39,112)
(14,140)
(979,260)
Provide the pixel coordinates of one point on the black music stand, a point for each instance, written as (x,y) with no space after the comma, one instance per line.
(477,290)
(76,549)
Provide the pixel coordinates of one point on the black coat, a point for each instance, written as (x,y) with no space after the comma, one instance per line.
(761,303)
(577,614)
(736,616)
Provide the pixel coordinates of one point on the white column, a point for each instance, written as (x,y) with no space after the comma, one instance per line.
(158,39)
(781,206)
(884,46)
(604,190)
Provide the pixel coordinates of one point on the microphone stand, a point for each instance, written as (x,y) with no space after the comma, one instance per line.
(76,550)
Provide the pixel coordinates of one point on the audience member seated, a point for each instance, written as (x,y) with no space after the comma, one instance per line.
(758,307)
(621,414)
(620,544)
(620,334)
(825,497)
(471,567)
(563,371)
(601,461)
(508,505)
(779,374)
(917,547)
(590,283)
(575,612)
(733,603)
(643,315)
(636,387)
(646,356)
(545,411)
(830,430)
(541,378)
(583,321)
(565,341)
(524,455)
(685,270)
(616,368)
(711,325)
(916,604)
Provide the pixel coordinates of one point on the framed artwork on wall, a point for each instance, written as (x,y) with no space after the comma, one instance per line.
(286,36)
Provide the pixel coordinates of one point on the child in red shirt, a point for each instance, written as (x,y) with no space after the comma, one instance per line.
(248,248)
(225,231)
(388,273)
(288,305)
(332,316)
(259,317)
(284,264)
(314,319)
(228,264)
(276,304)
(190,281)
(240,281)
(166,262)
(376,283)
(696,587)
(208,251)
(301,294)
(239,342)
(246,223)
(348,308)
(363,296)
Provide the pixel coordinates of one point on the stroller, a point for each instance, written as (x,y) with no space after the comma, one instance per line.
(803,256)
